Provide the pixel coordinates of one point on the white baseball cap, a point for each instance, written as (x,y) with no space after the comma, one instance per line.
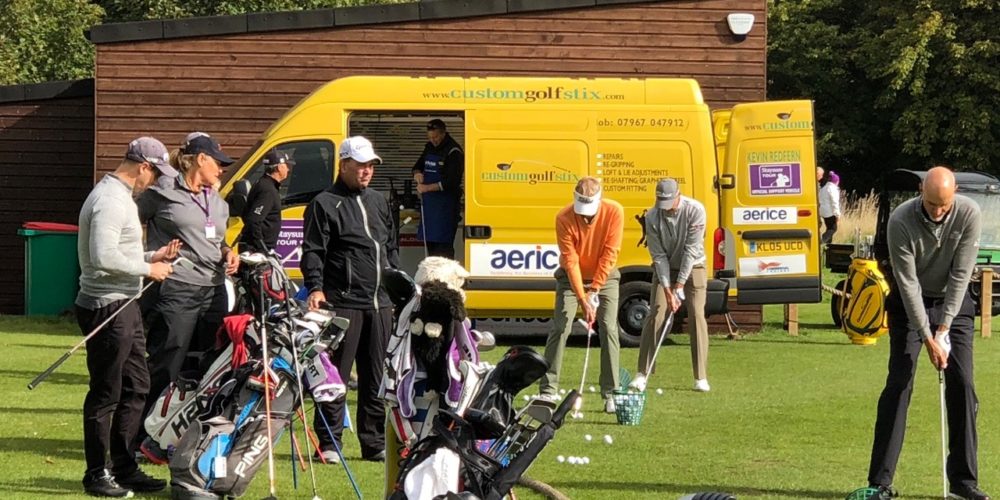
(359,149)
(587,206)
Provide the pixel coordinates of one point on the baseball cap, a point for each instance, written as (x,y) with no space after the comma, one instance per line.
(359,149)
(586,206)
(152,151)
(274,158)
(667,191)
(200,142)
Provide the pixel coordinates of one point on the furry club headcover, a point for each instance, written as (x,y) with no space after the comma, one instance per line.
(433,328)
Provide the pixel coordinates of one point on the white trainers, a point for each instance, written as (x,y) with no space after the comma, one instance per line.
(638,383)
(609,405)
(701,385)
(331,457)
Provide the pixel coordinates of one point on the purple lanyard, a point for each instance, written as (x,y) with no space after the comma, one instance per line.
(204,208)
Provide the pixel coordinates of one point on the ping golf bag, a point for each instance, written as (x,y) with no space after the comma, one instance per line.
(494,443)
(227,442)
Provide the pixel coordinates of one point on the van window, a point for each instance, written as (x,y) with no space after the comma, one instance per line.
(311,174)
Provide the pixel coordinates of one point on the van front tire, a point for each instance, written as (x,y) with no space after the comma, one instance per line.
(633,308)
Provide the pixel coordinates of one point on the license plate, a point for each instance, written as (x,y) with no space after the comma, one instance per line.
(772,247)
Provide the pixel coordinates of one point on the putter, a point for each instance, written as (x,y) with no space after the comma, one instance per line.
(179,262)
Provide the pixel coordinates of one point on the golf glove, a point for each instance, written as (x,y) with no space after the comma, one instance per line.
(679,293)
(943,339)
(594,299)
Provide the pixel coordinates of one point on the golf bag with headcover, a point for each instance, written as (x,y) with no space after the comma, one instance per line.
(494,443)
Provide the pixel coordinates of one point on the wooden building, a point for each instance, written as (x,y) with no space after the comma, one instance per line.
(46,167)
(232,76)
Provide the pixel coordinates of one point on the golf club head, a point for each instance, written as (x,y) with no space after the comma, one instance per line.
(253,259)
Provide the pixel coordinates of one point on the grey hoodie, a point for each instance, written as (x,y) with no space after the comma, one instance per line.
(933,260)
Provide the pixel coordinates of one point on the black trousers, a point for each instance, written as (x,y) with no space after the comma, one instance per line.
(960,393)
(831,229)
(119,382)
(182,318)
(437,249)
(365,340)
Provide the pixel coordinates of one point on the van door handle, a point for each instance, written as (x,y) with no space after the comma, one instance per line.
(478,232)
(726,181)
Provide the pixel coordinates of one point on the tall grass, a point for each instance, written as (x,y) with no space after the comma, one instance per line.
(857,212)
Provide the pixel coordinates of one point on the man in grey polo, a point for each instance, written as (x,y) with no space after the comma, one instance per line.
(675,235)
(933,242)
(112,265)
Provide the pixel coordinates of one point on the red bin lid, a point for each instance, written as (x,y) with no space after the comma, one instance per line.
(51,226)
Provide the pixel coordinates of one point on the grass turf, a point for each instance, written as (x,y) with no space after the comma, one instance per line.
(786,418)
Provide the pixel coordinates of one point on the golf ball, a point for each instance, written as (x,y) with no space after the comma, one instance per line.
(587,437)
(586,460)
(560,459)
(562,392)
(527,397)
(607,439)
(659,391)
(572,460)
(592,389)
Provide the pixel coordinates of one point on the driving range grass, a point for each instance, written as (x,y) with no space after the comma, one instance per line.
(786,418)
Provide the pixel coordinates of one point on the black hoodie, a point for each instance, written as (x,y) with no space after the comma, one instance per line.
(349,238)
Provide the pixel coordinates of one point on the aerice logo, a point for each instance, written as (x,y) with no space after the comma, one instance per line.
(517,259)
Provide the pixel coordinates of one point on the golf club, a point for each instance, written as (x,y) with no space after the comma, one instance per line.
(663,334)
(267,388)
(179,262)
(586,361)
(944,340)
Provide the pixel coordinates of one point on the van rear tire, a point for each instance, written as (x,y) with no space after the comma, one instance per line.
(633,308)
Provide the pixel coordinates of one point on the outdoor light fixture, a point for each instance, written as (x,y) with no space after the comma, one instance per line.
(740,23)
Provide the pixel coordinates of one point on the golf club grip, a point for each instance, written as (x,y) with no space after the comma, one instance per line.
(48,371)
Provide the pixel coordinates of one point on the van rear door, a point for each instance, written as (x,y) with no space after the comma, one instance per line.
(768,190)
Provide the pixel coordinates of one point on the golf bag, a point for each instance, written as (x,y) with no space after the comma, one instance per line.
(864,313)
(225,445)
(187,398)
(494,443)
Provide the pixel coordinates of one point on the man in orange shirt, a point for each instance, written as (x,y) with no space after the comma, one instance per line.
(589,232)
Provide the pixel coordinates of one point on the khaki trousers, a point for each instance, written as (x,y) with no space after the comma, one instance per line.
(695,293)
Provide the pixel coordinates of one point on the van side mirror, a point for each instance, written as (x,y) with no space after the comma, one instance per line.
(237,198)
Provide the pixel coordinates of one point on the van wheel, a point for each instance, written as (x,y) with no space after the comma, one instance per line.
(835,304)
(633,308)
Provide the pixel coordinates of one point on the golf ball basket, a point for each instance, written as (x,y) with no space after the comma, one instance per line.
(863,494)
(629,406)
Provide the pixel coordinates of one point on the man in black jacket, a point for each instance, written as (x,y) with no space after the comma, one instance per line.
(262,214)
(438,175)
(349,238)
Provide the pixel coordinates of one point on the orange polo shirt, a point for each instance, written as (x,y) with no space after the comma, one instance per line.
(589,252)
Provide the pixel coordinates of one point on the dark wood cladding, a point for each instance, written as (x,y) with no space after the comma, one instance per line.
(46,171)
(234,86)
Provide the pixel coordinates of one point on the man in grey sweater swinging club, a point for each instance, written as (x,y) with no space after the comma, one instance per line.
(933,241)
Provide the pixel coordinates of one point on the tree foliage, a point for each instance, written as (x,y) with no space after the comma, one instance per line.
(43,40)
(897,83)
(136,10)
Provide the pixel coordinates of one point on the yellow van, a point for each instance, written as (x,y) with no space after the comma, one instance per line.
(526,142)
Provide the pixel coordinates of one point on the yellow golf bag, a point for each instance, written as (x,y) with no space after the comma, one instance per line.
(863,307)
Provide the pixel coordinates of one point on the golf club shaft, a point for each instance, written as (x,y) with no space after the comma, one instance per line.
(267,385)
(663,334)
(944,442)
(48,371)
